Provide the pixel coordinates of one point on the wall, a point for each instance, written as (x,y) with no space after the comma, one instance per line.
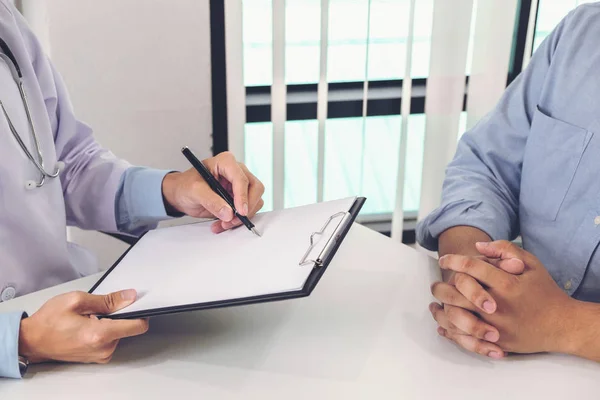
(139,73)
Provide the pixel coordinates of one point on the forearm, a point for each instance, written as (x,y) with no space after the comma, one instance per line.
(460,240)
(578,333)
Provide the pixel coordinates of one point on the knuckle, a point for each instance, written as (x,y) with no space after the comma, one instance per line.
(504,244)
(450,297)
(95,339)
(109,301)
(434,287)
(227,155)
(74,298)
(460,280)
(453,314)
(479,330)
(144,325)
(509,282)
(478,348)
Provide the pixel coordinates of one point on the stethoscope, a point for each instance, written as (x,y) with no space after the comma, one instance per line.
(15,70)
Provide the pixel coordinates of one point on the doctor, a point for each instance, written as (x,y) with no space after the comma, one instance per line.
(53,174)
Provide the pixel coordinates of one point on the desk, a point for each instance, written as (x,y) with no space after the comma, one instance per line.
(364,333)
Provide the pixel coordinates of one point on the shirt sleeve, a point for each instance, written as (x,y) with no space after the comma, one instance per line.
(482,183)
(139,203)
(10,324)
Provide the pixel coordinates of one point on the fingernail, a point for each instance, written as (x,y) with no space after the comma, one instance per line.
(441,331)
(245,209)
(224,214)
(128,295)
(442,259)
(491,337)
(494,354)
(489,306)
(482,244)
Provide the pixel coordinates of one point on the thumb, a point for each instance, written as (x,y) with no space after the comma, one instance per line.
(513,266)
(502,249)
(105,304)
(214,204)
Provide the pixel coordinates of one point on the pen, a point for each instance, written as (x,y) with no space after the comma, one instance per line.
(217,187)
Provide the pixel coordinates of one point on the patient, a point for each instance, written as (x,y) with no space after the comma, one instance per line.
(530,169)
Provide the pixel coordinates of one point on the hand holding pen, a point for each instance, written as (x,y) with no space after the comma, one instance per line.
(189,193)
(239,206)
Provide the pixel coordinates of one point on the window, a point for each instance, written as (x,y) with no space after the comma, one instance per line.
(550,13)
(361,154)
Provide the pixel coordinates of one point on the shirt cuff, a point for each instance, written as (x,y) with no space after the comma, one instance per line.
(461,213)
(139,201)
(10,323)
(143,193)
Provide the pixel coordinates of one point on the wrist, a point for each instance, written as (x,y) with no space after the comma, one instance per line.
(28,342)
(568,326)
(169,193)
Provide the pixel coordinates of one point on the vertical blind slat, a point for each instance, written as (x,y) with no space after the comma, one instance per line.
(236,90)
(444,95)
(492,47)
(278,103)
(398,216)
(322,98)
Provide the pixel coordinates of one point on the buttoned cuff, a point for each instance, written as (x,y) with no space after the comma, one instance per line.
(10,324)
(471,213)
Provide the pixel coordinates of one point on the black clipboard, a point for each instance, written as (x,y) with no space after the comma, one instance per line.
(320,265)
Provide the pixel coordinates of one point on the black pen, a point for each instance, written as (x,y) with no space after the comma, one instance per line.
(217,187)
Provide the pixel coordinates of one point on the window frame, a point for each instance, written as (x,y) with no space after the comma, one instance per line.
(384,96)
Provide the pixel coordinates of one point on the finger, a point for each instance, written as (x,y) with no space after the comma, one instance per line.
(474,293)
(478,269)
(475,345)
(448,294)
(214,204)
(452,295)
(230,169)
(442,319)
(122,328)
(512,265)
(469,323)
(505,250)
(85,303)
(256,189)
(234,223)
(217,227)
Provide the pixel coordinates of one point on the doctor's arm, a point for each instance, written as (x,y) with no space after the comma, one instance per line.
(480,203)
(66,329)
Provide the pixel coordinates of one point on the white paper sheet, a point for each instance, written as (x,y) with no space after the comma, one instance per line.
(189,264)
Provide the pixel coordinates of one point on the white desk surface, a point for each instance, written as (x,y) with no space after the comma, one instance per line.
(364,333)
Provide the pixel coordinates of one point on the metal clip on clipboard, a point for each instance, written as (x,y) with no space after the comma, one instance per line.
(344,217)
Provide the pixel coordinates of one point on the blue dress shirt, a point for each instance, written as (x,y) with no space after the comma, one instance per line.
(139,206)
(531,167)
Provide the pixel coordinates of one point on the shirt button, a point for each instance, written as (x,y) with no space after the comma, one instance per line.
(597,220)
(8,293)
(568,285)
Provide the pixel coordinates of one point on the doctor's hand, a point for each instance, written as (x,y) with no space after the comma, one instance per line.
(66,328)
(463,301)
(188,193)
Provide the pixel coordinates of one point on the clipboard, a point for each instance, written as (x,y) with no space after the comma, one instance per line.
(321,246)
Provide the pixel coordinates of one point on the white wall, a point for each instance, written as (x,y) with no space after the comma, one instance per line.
(139,73)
